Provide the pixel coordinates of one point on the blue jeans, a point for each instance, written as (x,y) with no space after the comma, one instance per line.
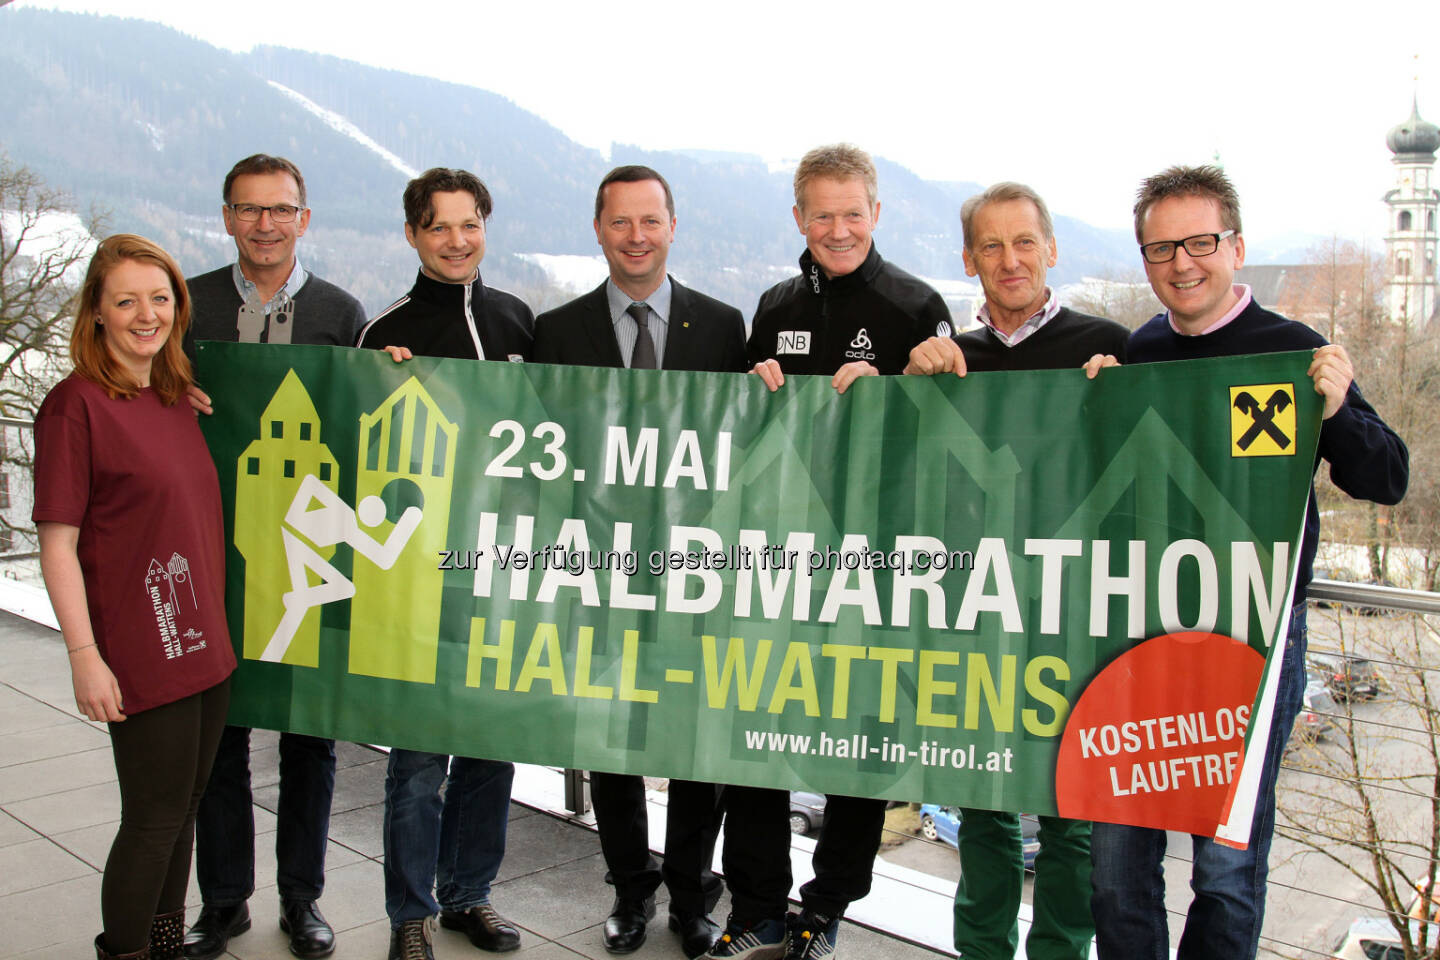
(1225,917)
(225,823)
(454,846)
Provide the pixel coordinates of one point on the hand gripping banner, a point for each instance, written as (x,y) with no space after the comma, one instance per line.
(1023,591)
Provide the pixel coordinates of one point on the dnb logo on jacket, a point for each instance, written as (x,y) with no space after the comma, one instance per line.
(792,342)
(860,347)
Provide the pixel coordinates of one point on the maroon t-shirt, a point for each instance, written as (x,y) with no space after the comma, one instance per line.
(135,477)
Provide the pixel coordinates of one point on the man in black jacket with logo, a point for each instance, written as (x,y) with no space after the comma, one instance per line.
(849,314)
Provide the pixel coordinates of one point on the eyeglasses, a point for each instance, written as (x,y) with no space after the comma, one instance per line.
(279,213)
(1200,245)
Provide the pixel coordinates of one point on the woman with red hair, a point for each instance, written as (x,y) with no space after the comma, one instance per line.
(132,546)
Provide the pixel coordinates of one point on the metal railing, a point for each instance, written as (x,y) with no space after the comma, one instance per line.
(1373,595)
(1377,751)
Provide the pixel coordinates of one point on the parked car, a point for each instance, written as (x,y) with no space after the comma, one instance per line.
(1347,676)
(807,811)
(1370,938)
(943,823)
(1317,714)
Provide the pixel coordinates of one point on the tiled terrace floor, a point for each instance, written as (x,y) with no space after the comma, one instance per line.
(59,805)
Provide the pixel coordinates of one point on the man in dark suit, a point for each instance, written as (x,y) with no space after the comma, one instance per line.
(643,319)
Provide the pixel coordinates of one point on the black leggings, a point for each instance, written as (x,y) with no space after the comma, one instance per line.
(162,759)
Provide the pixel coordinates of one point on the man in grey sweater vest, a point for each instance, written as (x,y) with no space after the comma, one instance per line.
(266,296)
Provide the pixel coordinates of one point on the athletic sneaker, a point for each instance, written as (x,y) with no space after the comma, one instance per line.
(812,936)
(764,940)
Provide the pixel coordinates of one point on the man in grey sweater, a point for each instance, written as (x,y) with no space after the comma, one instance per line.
(266,296)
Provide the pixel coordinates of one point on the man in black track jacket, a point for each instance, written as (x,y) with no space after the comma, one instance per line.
(442,857)
(849,314)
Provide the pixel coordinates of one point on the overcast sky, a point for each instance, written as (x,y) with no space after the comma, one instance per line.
(1081,100)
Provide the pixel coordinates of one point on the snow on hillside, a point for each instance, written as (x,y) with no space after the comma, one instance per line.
(1097,289)
(340,125)
(953,288)
(52,233)
(575,273)
(157,136)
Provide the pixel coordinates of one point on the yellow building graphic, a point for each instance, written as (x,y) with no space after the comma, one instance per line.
(267,476)
(407,459)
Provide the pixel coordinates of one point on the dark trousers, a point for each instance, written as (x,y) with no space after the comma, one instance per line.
(162,760)
(757,852)
(225,825)
(692,821)
(844,858)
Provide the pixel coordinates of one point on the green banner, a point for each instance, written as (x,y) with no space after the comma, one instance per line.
(1024,591)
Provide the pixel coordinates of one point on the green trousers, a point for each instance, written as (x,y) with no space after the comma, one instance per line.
(992,875)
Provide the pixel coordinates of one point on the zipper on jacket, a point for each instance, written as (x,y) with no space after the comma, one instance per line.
(470,321)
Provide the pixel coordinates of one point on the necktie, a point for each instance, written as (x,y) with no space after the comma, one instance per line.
(643,357)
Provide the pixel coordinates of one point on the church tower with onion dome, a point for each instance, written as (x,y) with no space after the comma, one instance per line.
(1413,292)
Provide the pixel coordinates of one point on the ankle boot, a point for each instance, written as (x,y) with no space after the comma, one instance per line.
(167,934)
(102,954)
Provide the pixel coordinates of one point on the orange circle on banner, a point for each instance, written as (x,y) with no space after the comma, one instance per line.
(1157,738)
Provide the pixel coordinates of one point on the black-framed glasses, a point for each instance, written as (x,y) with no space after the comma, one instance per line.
(279,212)
(1200,245)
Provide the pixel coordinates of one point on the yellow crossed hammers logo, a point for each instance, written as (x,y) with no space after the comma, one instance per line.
(1262,420)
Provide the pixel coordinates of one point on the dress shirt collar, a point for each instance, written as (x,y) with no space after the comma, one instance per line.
(658,302)
(1242,291)
(1033,323)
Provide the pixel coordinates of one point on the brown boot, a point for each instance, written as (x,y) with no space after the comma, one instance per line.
(102,954)
(167,934)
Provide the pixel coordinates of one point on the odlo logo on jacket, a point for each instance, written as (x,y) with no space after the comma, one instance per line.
(860,347)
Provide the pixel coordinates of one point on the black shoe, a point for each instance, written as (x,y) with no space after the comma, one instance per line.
(625,927)
(310,935)
(698,933)
(485,928)
(411,941)
(213,930)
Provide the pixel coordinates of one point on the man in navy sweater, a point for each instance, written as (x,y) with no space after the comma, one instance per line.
(1187,220)
(1010,245)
